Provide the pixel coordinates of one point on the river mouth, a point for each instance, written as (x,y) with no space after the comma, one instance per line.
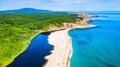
(35,53)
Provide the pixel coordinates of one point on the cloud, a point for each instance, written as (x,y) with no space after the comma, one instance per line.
(71,1)
(56,0)
(61,5)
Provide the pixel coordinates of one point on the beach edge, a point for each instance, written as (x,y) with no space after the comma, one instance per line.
(56,56)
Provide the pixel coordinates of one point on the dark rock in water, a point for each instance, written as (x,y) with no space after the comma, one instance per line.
(45,33)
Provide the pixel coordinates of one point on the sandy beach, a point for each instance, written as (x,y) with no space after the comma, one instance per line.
(60,55)
(62,51)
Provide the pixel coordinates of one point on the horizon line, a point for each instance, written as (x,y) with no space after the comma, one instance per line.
(58,10)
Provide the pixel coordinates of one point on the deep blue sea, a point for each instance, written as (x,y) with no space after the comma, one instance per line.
(100,46)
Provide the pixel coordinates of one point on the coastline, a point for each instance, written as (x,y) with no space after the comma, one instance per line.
(62,52)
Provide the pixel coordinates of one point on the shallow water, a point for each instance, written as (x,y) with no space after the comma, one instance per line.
(97,47)
(34,55)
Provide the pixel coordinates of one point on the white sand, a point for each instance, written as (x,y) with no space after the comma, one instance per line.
(60,55)
(62,48)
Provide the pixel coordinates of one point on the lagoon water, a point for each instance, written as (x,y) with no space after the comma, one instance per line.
(97,47)
(34,55)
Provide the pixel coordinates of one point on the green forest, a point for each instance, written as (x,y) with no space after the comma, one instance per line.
(17,30)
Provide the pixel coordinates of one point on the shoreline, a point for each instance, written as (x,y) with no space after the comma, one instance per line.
(71,49)
(62,52)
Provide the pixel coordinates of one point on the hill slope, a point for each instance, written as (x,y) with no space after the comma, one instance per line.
(27,10)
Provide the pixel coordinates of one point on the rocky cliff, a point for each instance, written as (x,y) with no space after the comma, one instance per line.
(77,24)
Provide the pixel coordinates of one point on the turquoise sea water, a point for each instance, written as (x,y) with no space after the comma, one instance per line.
(97,47)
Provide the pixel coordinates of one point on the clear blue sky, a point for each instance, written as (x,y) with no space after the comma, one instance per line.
(62,5)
